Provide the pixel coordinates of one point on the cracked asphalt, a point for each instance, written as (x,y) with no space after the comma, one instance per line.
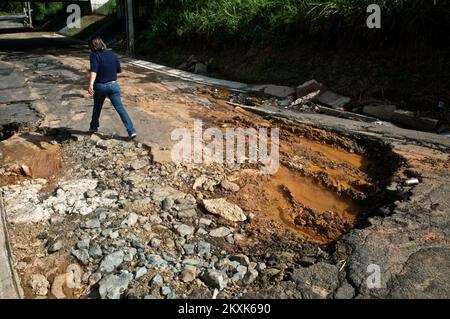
(43,85)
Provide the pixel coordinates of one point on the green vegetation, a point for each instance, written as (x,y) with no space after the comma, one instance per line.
(6,8)
(265,20)
(44,12)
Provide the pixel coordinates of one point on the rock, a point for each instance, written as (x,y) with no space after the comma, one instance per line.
(95,278)
(225,209)
(279,91)
(316,281)
(105,144)
(21,265)
(165,291)
(131,220)
(82,255)
(159,194)
(172,295)
(240,258)
(155,261)
(167,203)
(25,170)
(201,232)
(129,254)
(346,291)
(91,224)
(188,249)
(113,286)
(205,221)
(220,232)
(111,261)
(412,181)
(140,271)
(308,87)
(95,251)
(56,220)
(138,164)
(410,120)
(91,193)
(209,185)
(203,248)
(214,279)
(200,68)
(39,284)
(229,186)
(188,274)
(157,281)
(58,284)
(384,112)
(250,277)
(155,242)
(83,243)
(199,182)
(56,245)
(185,230)
(332,100)
(188,213)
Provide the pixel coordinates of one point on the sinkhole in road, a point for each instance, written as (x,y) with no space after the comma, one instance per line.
(328,181)
(325,186)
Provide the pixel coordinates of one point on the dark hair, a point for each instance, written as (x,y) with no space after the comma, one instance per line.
(97,44)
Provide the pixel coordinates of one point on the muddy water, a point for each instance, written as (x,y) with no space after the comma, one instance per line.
(287,188)
(310,194)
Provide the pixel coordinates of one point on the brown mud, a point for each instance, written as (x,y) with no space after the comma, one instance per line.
(29,156)
(319,192)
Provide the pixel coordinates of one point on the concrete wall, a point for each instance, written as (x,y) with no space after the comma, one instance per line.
(97,4)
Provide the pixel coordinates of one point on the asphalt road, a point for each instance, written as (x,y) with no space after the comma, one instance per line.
(48,73)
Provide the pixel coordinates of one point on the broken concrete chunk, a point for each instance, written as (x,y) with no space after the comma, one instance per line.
(331,99)
(39,284)
(279,91)
(113,286)
(308,88)
(225,209)
(384,112)
(229,186)
(410,120)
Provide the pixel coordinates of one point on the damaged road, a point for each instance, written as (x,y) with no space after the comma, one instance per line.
(102,217)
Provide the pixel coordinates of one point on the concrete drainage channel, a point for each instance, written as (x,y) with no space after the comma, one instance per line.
(131,227)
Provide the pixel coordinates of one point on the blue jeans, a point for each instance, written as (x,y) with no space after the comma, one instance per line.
(112,91)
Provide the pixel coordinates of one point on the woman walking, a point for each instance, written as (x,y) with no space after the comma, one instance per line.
(103,83)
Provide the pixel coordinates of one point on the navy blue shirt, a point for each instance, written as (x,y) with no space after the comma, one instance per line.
(106,65)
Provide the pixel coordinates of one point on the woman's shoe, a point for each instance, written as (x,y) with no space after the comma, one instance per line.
(133,136)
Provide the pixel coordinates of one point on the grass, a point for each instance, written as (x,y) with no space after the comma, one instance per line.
(265,20)
(43,12)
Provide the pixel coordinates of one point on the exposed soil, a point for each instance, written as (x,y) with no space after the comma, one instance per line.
(29,156)
(324,181)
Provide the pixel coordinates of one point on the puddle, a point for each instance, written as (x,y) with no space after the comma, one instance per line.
(293,198)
